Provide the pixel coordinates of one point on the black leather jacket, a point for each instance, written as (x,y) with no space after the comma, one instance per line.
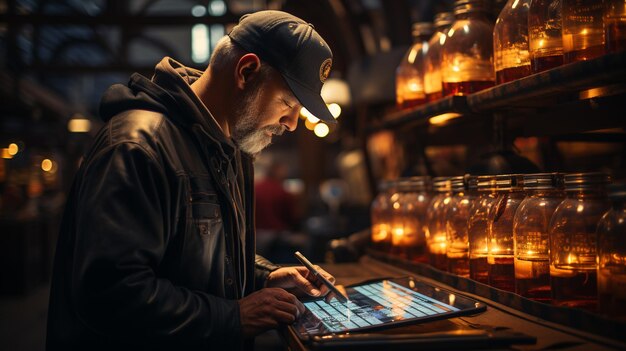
(157,240)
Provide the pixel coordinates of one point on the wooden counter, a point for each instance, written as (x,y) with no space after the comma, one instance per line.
(549,335)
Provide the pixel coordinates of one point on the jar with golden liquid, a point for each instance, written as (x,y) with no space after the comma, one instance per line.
(612,256)
(544,192)
(410,73)
(583,30)
(457,242)
(436,223)
(380,213)
(614,25)
(432,60)
(478,228)
(545,36)
(409,205)
(467,54)
(500,255)
(510,42)
(573,240)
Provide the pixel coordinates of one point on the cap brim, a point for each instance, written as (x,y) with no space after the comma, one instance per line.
(311,101)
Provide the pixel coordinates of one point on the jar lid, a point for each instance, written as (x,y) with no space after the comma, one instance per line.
(617,192)
(385,184)
(466,6)
(441,184)
(422,28)
(458,184)
(443,19)
(543,181)
(502,182)
(418,184)
(472,182)
(586,181)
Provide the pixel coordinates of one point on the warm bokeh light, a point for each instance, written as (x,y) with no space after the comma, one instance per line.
(46,165)
(6,154)
(13,149)
(443,118)
(79,125)
(321,130)
(309,125)
(334,109)
(308,115)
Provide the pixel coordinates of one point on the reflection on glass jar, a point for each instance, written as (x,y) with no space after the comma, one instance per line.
(435,218)
(410,72)
(583,30)
(545,34)
(478,227)
(380,213)
(573,267)
(614,25)
(510,194)
(457,242)
(467,54)
(510,42)
(612,256)
(544,192)
(432,60)
(408,217)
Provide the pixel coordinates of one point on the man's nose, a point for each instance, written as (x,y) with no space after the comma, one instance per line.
(290,121)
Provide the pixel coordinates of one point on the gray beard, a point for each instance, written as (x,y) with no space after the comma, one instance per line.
(247,134)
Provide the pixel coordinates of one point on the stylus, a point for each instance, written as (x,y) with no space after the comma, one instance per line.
(316,273)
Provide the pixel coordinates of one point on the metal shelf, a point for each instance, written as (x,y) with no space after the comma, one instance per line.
(567,85)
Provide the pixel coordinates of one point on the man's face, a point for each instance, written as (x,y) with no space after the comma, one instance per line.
(267,108)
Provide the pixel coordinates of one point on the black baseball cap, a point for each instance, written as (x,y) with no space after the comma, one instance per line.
(293,48)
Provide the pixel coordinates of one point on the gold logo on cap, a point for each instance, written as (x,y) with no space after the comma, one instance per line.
(325,69)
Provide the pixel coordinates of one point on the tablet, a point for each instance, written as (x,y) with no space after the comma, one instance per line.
(381,304)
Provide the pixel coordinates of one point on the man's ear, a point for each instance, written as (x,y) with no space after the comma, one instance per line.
(247,67)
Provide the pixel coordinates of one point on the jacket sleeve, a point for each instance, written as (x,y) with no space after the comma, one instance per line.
(262,269)
(123,225)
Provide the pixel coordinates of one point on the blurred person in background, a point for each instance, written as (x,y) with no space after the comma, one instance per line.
(157,243)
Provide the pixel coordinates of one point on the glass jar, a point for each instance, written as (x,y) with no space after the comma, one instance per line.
(478,227)
(612,257)
(500,257)
(380,213)
(410,72)
(436,234)
(545,37)
(467,54)
(583,30)
(408,216)
(614,25)
(573,267)
(457,242)
(432,60)
(544,192)
(510,42)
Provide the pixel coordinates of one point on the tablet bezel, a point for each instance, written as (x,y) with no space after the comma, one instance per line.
(465,305)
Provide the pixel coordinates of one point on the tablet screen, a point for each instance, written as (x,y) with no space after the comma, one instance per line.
(382,303)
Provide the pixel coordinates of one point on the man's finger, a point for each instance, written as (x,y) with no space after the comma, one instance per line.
(305,285)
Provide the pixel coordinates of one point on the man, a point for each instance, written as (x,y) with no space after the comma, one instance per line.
(156,249)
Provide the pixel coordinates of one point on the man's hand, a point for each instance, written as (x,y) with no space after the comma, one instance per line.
(299,280)
(266,309)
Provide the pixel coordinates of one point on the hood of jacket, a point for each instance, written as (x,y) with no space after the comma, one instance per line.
(168,92)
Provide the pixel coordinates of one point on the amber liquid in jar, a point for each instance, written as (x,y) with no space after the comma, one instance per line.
(479,269)
(512,73)
(438,260)
(410,103)
(584,54)
(532,278)
(612,293)
(501,272)
(574,288)
(411,253)
(615,34)
(545,63)
(459,264)
(434,96)
(465,88)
